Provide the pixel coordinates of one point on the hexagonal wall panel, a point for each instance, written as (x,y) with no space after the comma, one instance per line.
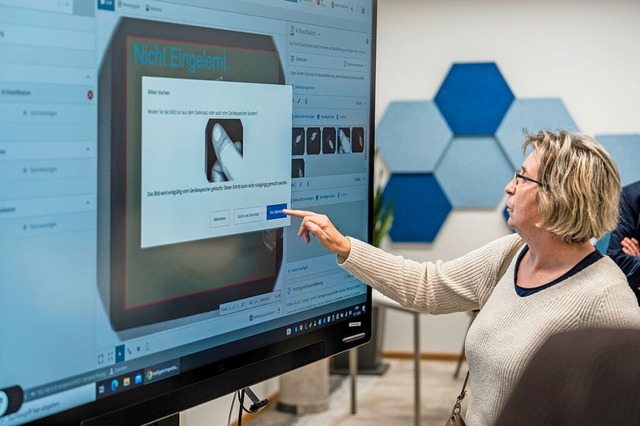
(474,98)
(625,150)
(420,207)
(473,172)
(603,243)
(533,115)
(411,136)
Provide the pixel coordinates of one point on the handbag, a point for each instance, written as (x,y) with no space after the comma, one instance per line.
(455,419)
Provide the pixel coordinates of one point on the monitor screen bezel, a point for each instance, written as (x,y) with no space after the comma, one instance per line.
(222,370)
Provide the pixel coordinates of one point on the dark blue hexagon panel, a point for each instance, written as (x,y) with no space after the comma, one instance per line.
(625,150)
(411,136)
(474,172)
(474,98)
(420,207)
(533,115)
(603,243)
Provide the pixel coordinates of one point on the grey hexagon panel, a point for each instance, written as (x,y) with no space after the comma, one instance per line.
(411,136)
(533,115)
(625,150)
(474,172)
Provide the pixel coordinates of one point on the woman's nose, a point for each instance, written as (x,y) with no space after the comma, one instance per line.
(510,188)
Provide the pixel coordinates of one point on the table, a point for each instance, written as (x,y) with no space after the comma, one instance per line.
(384,302)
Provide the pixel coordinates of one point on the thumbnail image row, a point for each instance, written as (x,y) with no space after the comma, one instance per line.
(328,140)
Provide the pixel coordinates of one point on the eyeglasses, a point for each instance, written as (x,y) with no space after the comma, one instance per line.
(517,176)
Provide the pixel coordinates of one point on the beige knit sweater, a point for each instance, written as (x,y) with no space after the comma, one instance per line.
(509,328)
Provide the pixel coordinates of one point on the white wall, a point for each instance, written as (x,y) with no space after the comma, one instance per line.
(587,53)
(584,52)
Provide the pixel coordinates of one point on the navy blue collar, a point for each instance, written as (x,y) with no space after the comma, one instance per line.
(588,260)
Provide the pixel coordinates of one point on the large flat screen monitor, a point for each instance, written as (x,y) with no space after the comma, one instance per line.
(147,149)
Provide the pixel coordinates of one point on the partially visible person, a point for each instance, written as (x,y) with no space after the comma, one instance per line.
(583,377)
(544,279)
(623,245)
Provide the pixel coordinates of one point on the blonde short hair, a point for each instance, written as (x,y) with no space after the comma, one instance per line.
(579,198)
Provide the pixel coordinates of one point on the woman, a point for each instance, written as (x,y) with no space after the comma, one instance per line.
(545,278)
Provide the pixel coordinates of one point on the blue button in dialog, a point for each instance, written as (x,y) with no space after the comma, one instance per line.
(274,211)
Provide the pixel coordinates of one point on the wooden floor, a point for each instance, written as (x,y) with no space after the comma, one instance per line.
(382,400)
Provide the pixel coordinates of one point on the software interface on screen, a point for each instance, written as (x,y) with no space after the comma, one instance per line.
(147,149)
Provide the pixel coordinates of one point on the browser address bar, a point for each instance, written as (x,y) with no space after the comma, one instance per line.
(61,6)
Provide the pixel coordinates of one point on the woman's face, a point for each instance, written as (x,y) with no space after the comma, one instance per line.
(522,201)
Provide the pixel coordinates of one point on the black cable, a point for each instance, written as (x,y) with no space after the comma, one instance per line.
(233,401)
(241,401)
(257,404)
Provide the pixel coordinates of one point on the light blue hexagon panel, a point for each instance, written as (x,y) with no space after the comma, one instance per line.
(533,115)
(474,172)
(411,136)
(625,150)
(419,205)
(474,98)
